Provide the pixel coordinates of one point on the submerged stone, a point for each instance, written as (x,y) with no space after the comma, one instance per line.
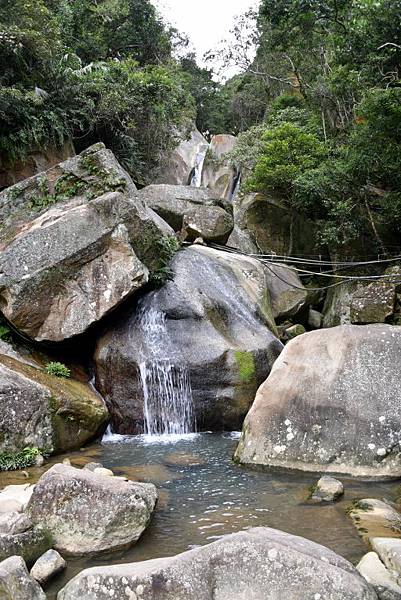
(327,489)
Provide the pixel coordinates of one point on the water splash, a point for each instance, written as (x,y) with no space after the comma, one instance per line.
(166,386)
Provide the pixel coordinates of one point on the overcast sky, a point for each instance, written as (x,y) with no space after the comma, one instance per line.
(206,22)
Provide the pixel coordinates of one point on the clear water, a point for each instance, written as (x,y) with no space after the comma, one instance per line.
(168,402)
(204,495)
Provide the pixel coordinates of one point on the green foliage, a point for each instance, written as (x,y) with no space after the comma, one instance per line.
(57,369)
(5,332)
(168,246)
(89,72)
(288,151)
(10,461)
(246,365)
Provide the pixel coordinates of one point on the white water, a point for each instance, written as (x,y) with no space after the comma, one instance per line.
(196,180)
(168,402)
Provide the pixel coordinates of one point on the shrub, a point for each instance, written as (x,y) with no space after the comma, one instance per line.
(168,246)
(57,369)
(10,461)
(288,151)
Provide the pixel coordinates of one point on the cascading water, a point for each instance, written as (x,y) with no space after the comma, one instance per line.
(196,176)
(168,402)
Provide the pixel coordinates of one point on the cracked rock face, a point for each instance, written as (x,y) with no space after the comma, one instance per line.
(331,403)
(89,513)
(75,241)
(254,565)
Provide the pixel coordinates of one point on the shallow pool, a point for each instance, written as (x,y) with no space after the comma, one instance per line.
(204,495)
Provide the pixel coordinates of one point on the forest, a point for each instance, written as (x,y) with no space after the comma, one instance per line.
(318,110)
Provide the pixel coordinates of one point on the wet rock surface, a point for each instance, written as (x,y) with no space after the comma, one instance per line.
(88,513)
(331,403)
(218,174)
(216,320)
(256,564)
(375,518)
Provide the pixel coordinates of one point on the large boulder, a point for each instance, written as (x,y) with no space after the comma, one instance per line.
(75,241)
(16,583)
(218,173)
(274,227)
(88,513)
(360,303)
(195,212)
(35,162)
(288,295)
(257,564)
(214,319)
(184,163)
(331,403)
(39,410)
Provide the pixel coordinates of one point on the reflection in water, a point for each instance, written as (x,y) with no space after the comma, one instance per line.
(203,495)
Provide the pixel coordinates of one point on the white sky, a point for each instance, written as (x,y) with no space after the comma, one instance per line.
(206,22)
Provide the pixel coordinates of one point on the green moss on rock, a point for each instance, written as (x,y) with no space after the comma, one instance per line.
(246,365)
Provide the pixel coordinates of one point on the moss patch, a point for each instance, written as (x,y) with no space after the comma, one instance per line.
(246,365)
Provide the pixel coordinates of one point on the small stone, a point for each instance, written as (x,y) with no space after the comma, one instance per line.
(91,466)
(294,331)
(103,471)
(66,461)
(50,564)
(327,489)
(39,460)
(380,578)
(315,319)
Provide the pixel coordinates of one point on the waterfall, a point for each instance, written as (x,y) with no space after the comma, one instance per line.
(196,173)
(168,402)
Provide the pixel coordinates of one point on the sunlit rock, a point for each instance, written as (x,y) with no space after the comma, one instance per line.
(331,403)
